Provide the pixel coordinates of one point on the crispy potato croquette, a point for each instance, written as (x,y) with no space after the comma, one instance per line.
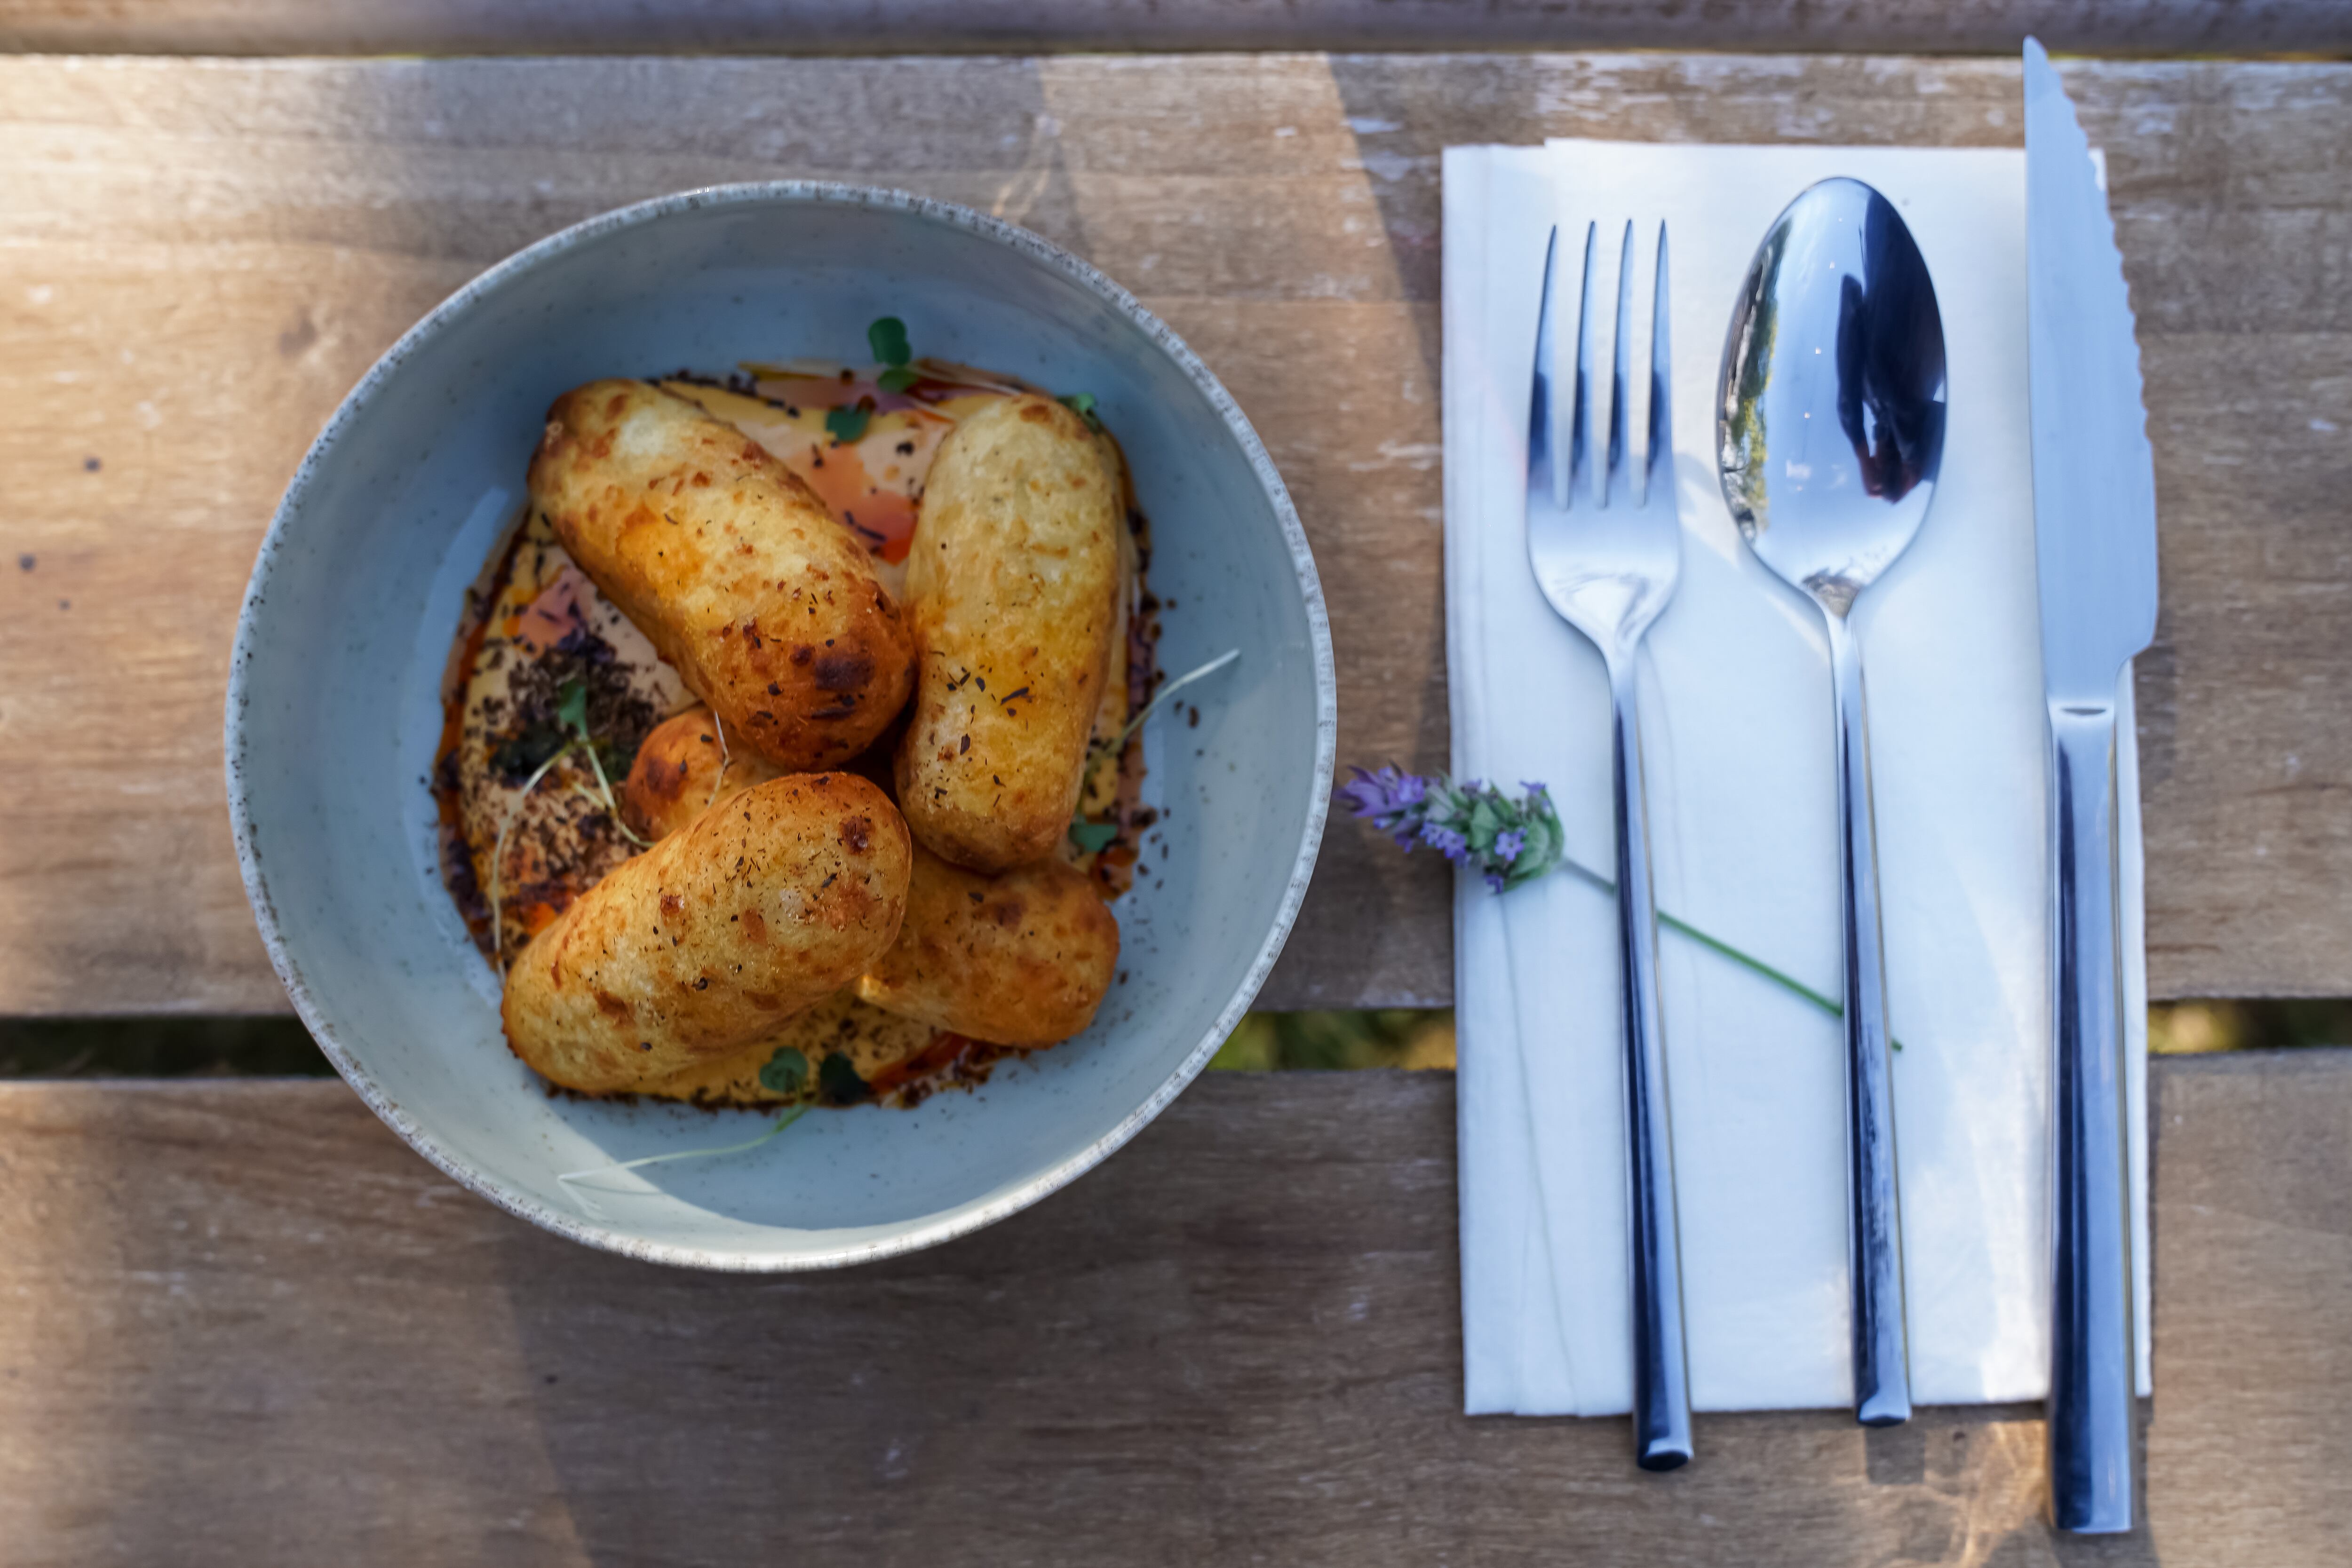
(770,609)
(1021,958)
(683,769)
(1012,586)
(714,937)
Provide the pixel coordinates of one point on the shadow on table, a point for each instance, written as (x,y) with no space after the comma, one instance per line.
(1238,1340)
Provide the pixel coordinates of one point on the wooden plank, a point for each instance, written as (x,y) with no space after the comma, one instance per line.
(910,27)
(198,259)
(245,1326)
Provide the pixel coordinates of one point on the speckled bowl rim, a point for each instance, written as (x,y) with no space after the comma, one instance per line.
(451,315)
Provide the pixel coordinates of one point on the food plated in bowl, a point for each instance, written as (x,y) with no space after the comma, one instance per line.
(537,423)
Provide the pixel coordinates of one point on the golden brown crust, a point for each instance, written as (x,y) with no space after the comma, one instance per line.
(873,1041)
(770,609)
(682,769)
(1012,587)
(714,936)
(1022,958)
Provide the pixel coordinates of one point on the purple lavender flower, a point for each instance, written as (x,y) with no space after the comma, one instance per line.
(1505,842)
(1445,841)
(1382,793)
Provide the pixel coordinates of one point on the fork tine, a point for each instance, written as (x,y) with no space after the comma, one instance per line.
(1543,467)
(1579,429)
(1659,445)
(1617,481)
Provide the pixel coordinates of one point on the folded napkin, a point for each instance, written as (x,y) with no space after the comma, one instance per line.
(1736,710)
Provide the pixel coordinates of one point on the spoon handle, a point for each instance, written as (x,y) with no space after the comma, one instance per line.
(1661,1416)
(1882,1367)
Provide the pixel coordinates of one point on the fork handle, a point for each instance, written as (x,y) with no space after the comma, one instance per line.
(1661,1417)
(1882,1367)
(2090,1339)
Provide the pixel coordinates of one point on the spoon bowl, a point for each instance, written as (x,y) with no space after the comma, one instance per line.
(1832,394)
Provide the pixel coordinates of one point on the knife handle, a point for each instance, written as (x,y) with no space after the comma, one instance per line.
(1882,1356)
(1661,1415)
(2092,1348)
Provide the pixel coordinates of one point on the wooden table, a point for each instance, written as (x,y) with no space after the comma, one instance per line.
(240,1324)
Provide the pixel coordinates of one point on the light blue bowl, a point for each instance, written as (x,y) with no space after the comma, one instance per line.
(334,710)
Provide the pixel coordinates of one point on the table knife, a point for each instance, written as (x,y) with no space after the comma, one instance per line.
(2095,530)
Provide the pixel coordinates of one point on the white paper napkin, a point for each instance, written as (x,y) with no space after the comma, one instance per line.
(1735,709)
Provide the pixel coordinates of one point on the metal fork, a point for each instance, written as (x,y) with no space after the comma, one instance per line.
(1607,557)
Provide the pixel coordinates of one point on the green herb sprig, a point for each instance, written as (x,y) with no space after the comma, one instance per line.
(572,718)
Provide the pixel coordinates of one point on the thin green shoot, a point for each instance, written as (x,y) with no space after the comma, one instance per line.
(604,796)
(580,1182)
(725,762)
(1715,945)
(1169,690)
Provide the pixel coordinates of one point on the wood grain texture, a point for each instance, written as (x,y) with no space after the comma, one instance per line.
(245,1327)
(854,27)
(198,259)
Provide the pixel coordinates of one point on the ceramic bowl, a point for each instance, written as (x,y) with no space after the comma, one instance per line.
(334,710)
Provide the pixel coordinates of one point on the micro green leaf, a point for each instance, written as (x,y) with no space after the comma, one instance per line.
(1092,837)
(785,1074)
(848,424)
(837,1083)
(898,378)
(887,337)
(1083,405)
(571,707)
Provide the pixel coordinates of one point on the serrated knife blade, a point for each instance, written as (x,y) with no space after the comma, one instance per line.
(2094,475)
(2095,530)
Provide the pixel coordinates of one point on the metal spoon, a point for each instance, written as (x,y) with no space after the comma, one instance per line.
(1830,428)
